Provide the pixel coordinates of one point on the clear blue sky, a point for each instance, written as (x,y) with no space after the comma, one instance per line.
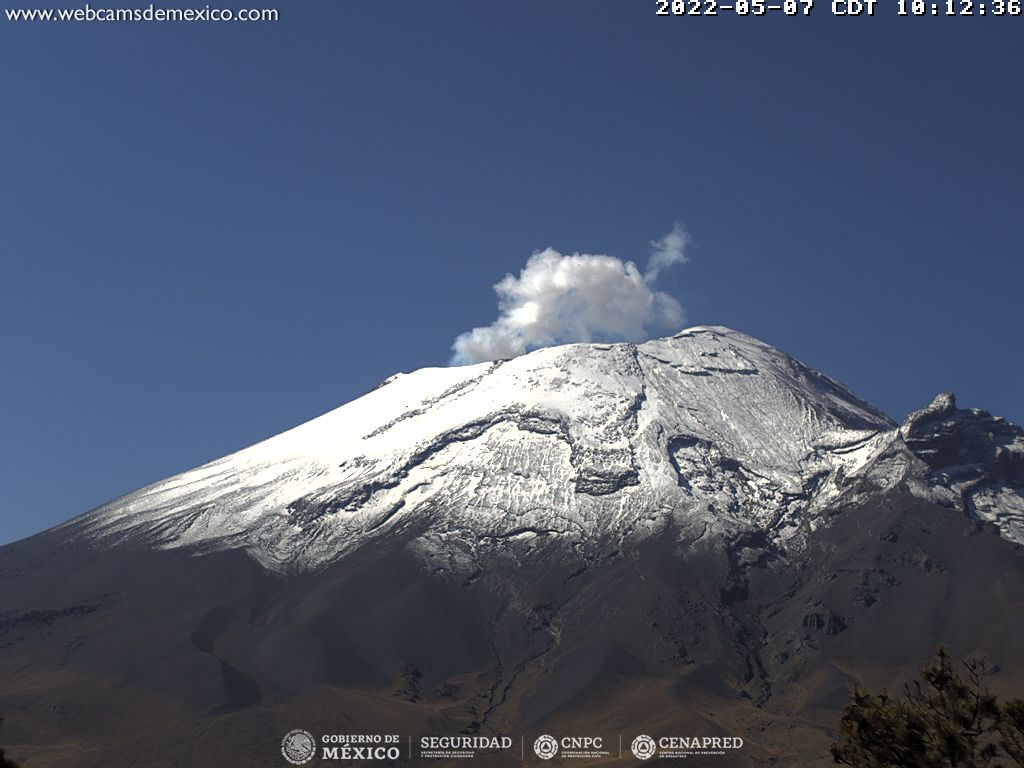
(210,233)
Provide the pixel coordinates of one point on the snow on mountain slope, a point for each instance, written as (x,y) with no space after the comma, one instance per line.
(709,430)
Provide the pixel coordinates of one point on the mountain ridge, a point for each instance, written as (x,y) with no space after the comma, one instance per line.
(576,442)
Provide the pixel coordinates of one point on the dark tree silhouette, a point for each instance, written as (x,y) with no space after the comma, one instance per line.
(5,762)
(949,721)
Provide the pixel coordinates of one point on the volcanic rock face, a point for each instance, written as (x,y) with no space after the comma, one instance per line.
(693,536)
(975,461)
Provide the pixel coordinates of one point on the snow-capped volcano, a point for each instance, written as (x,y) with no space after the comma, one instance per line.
(709,430)
(697,534)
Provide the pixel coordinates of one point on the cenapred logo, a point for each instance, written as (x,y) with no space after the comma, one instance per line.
(643,747)
(298,746)
(546,747)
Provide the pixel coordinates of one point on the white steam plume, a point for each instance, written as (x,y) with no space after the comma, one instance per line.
(559,299)
(669,250)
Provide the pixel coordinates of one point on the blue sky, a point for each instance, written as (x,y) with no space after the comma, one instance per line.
(211,233)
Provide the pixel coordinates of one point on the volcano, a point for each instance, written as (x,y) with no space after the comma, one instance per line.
(697,536)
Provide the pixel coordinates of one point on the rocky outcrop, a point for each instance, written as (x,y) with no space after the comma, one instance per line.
(974,459)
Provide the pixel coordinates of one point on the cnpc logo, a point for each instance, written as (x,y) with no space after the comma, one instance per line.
(546,747)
